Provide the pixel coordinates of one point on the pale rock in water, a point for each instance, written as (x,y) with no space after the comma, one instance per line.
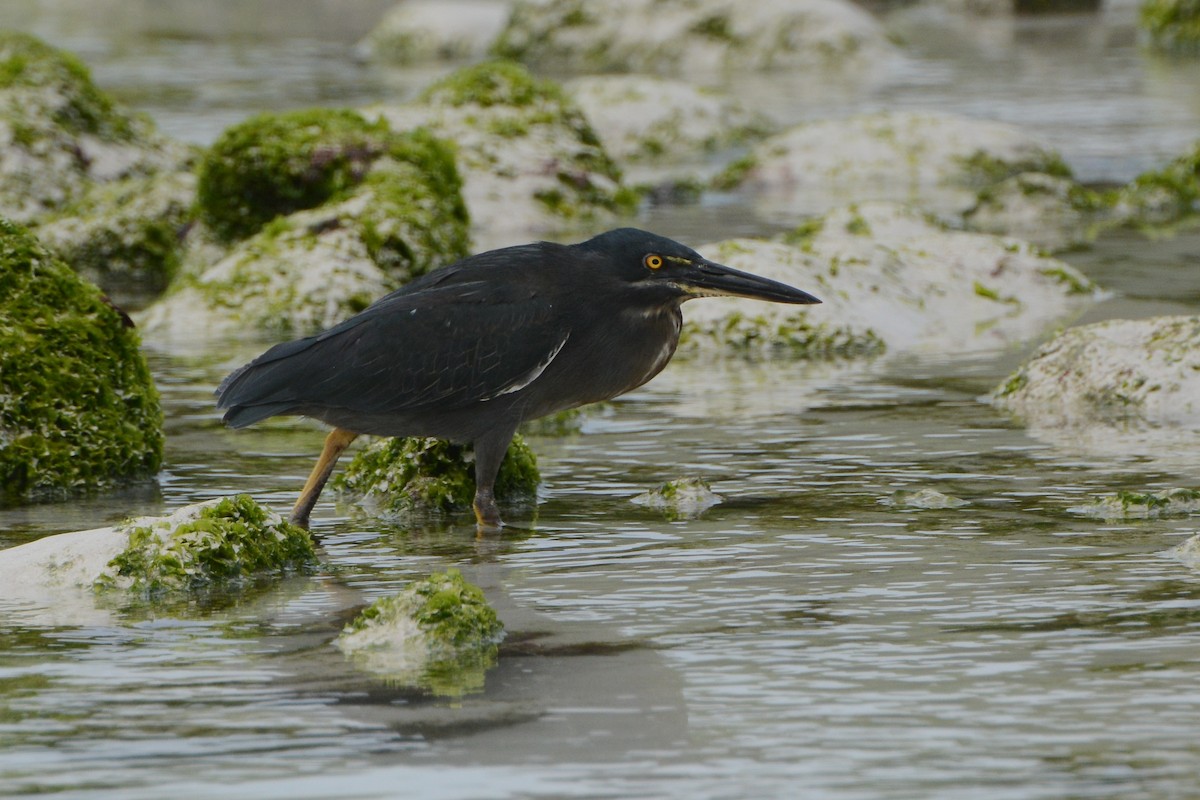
(418,31)
(1119,387)
(890,280)
(932,160)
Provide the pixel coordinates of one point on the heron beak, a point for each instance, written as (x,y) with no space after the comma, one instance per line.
(709,279)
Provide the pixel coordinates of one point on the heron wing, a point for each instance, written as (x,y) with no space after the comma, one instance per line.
(447,345)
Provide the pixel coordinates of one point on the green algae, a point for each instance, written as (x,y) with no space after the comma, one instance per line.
(226,543)
(127,232)
(682,498)
(1166,195)
(438,634)
(1125,504)
(277,163)
(494,83)
(27,63)
(407,475)
(1173,25)
(78,409)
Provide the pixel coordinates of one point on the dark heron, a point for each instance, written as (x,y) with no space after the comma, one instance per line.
(470,351)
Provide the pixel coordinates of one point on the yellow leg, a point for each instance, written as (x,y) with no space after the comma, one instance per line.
(336,442)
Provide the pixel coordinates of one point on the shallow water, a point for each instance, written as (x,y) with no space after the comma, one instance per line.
(801,639)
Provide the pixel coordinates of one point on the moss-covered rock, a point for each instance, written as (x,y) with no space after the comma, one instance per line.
(690,36)
(1173,25)
(400,476)
(1164,196)
(125,235)
(78,409)
(218,544)
(1051,211)
(389,211)
(528,157)
(59,133)
(439,634)
(277,163)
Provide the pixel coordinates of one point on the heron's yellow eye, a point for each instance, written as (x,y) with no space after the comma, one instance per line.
(653,261)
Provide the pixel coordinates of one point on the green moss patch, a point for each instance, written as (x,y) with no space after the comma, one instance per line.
(78,409)
(1166,195)
(503,83)
(27,63)
(683,498)
(274,164)
(1141,505)
(406,475)
(225,543)
(439,634)
(1173,25)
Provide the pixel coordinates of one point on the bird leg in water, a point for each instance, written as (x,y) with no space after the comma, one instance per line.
(490,450)
(336,442)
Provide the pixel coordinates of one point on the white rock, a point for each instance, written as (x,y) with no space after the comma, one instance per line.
(887,272)
(644,118)
(433,30)
(1117,387)
(934,161)
(308,278)
(687,37)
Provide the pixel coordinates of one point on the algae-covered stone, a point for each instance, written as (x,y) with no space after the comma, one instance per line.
(889,279)
(208,545)
(691,36)
(439,634)
(59,133)
(935,161)
(276,163)
(684,498)
(433,30)
(388,209)
(1173,25)
(529,160)
(1051,211)
(399,476)
(78,409)
(1141,505)
(1111,372)
(125,234)
(1160,197)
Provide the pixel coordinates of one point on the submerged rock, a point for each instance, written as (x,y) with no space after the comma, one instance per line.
(220,543)
(398,476)
(934,161)
(529,160)
(1147,505)
(328,213)
(439,634)
(925,499)
(890,279)
(684,498)
(1188,552)
(691,36)
(78,409)
(1173,25)
(59,134)
(416,31)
